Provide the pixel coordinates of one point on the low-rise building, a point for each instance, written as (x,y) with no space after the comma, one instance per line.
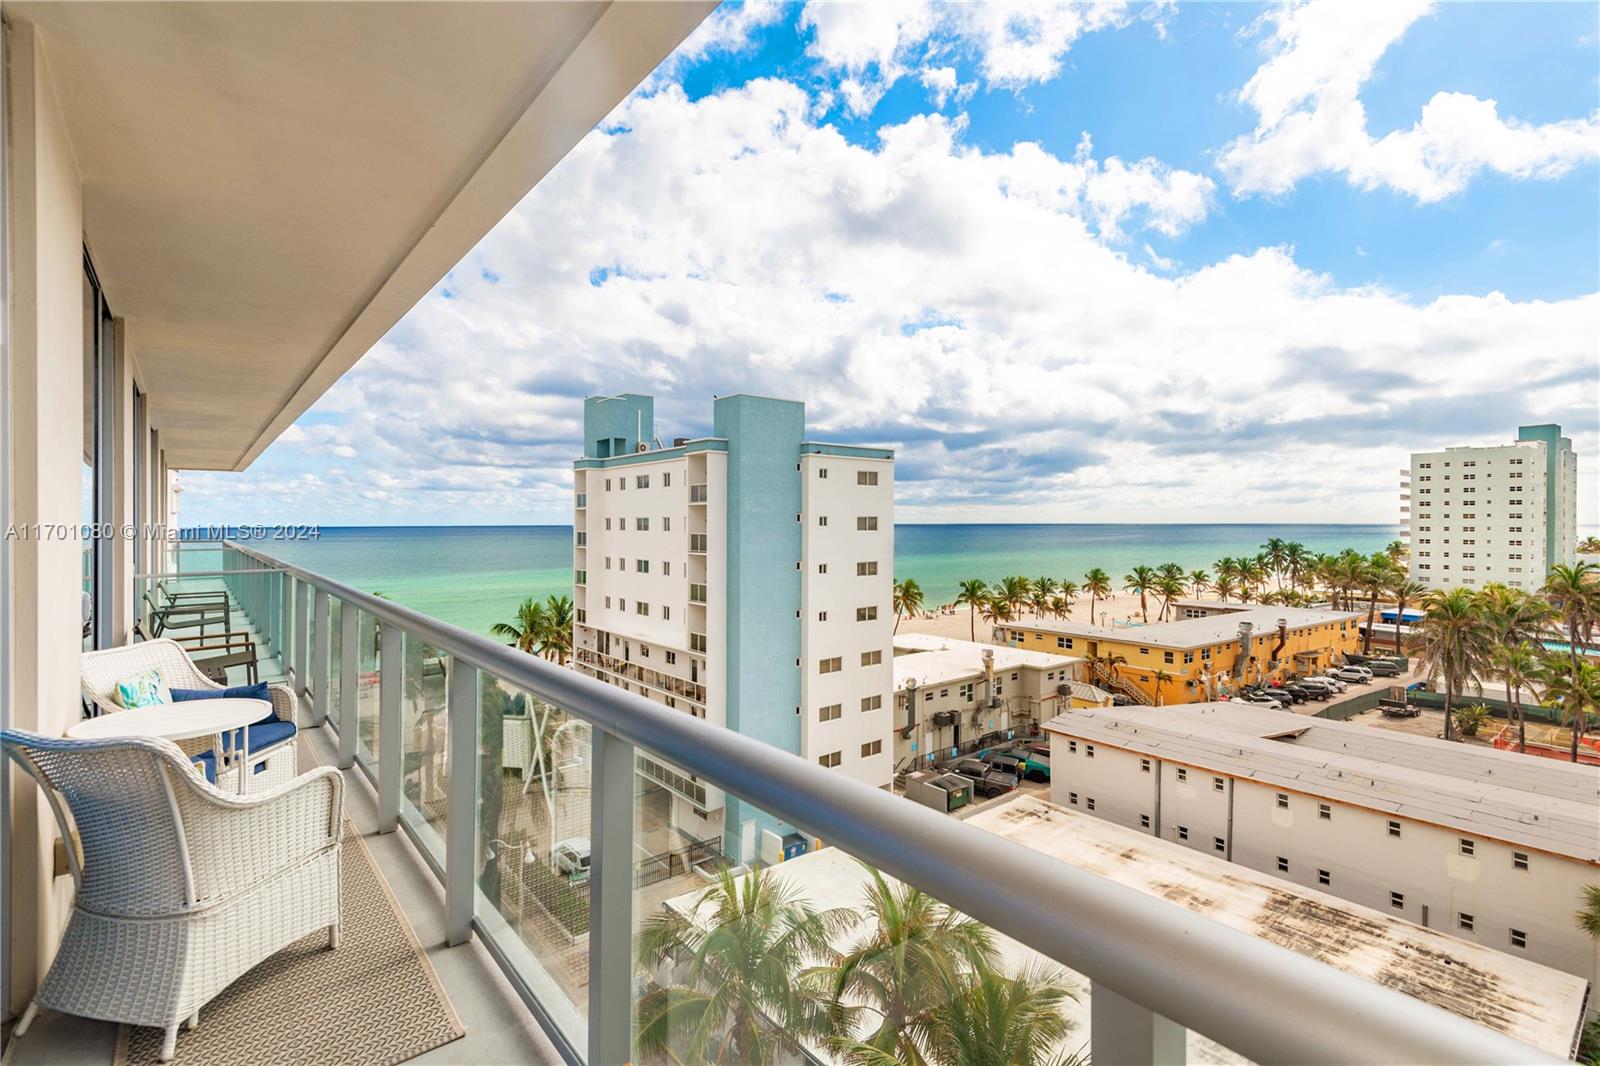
(1197,658)
(1488,846)
(949,693)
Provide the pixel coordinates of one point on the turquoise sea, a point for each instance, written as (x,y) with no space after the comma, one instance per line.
(475,576)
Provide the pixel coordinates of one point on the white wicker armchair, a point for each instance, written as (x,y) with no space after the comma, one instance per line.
(268,766)
(182,887)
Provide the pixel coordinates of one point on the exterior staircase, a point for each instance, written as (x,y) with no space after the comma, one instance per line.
(1114,681)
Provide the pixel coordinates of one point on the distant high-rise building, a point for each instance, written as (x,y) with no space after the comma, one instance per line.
(744,578)
(1503,513)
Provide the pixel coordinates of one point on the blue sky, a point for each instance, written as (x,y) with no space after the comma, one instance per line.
(1170,262)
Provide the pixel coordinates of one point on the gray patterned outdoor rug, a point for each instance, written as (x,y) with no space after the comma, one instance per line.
(376,999)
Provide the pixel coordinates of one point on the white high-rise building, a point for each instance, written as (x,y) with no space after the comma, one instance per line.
(1504,513)
(744,578)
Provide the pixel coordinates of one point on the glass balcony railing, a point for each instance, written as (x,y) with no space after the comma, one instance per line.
(584,833)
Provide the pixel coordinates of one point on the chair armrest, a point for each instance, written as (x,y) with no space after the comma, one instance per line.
(283,703)
(235,842)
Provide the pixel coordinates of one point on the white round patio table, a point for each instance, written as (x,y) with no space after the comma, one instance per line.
(181,721)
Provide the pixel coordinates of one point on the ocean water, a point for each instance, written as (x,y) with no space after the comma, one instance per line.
(474,576)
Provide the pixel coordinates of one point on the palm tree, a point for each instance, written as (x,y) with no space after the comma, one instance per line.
(906,599)
(1577,689)
(1454,644)
(1275,553)
(897,976)
(1069,592)
(985,1018)
(1142,580)
(1041,590)
(528,630)
(1518,666)
(973,593)
(1376,576)
(1170,589)
(1097,583)
(1016,591)
(1225,586)
(1297,559)
(1160,677)
(555,641)
(1574,592)
(1396,550)
(1588,918)
(1199,581)
(1404,591)
(737,954)
(1589,546)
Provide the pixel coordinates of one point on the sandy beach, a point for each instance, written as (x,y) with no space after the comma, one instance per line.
(1120,606)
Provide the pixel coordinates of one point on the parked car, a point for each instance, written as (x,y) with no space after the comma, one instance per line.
(1259,699)
(1283,694)
(1307,692)
(1007,762)
(1382,668)
(1039,760)
(1326,685)
(1338,683)
(986,780)
(1357,675)
(570,858)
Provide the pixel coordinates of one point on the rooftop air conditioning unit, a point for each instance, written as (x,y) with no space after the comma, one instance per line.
(678,442)
(1063,690)
(642,446)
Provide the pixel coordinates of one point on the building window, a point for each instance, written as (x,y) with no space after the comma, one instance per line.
(822,472)
(867,522)
(869,569)
(1519,939)
(822,519)
(672,658)
(1072,798)
(1394,829)
(1183,774)
(666,523)
(867,614)
(1467,846)
(1324,877)
(832,759)
(871,748)
(1464,920)
(1217,784)
(666,480)
(642,481)
(831,713)
(1283,865)
(1283,800)
(1519,860)
(1324,811)
(1088,751)
(641,523)
(1144,821)
(871,658)
(640,607)
(866,477)
(1219,844)
(642,565)
(1089,802)
(822,616)
(1166,656)
(1397,900)
(1183,832)
(666,613)
(1072,747)
(871,703)
(1144,766)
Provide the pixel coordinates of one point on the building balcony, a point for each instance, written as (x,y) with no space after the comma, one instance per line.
(697,494)
(697,543)
(697,594)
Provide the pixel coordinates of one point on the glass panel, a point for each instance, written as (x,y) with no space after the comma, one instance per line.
(817,956)
(533,893)
(335,659)
(210,617)
(425,791)
(370,678)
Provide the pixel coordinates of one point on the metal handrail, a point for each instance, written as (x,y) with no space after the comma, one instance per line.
(1226,984)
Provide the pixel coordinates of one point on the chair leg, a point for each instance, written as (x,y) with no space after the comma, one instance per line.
(333,937)
(169,1044)
(194,1021)
(26,1019)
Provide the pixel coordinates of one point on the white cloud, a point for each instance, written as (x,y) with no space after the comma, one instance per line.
(1311,120)
(1015,44)
(969,308)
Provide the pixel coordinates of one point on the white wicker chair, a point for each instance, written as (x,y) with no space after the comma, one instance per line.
(181,887)
(268,766)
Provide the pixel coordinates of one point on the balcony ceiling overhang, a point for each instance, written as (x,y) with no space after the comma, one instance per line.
(269,187)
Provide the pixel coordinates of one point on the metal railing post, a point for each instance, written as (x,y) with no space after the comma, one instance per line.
(1125,1032)
(461,826)
(391,685)
(349,698)
(301,643)
(320,647)
(610,899)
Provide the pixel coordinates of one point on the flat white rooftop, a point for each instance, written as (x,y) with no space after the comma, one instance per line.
(1541,804)
(1524,1000)
(1195,632)
(936,660)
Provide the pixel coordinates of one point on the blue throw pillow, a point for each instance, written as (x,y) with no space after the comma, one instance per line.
(258,691)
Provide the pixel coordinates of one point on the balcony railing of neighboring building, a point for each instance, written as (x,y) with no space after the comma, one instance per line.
(420,707)
(581,500)
(697,543)
(697,594)
(697,494)
(667,684)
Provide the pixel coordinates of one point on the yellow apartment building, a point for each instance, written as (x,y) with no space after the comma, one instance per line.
(1198,659)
